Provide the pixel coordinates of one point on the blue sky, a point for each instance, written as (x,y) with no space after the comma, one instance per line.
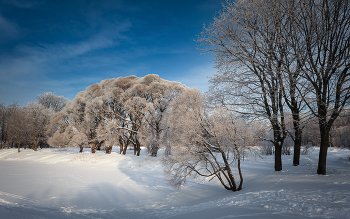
(64,46)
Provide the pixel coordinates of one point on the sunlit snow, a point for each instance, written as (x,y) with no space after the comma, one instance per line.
(57,183)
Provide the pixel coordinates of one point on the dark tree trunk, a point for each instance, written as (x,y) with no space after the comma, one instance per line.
(230,177)
(278,156)
(137,147)
(35,145)
(19,146)
(323,150)
(93,147)
(297,145)
(124,148)
(121,145)
(108,149)
(81,149)
(240,172)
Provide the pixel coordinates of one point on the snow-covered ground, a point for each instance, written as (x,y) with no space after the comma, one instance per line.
(56,183)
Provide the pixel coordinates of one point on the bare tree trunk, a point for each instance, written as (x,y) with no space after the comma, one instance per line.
(229,172)
(297,146)
(321,169)
(35,145)
(81,148)
(138,147)
(108,149)
(155,145)
(93,147)
(240,174)
(297,137)
(278,156)
(19,146)
(121,145)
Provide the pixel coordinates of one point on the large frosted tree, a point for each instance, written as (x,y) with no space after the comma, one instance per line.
(125,111)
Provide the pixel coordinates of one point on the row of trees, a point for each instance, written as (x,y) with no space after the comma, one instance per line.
(284,63)
(281,56)
(200,137)
(27,125)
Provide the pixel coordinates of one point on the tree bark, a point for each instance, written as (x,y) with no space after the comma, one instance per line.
(296,156)
(321,169)
(229,171)
(108,149)
(137,147)
(278,156)
(93,147)
(297,144)
(121,145)
(239,171)
(81,149)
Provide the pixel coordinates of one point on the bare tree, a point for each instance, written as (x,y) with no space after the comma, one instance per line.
(323,29)
(243,38)
(51,101)
(204,143)
(4,116)
(17,125)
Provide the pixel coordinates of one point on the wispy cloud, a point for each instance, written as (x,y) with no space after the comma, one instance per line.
(110,37)
(23,4)
(8,29)
(35,67)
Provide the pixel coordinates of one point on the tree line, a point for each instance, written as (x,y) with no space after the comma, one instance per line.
(282,78)
(27,126)
(199,136)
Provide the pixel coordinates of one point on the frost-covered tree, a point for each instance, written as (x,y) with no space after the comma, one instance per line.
(79,121)
(38,117)
(51,101)
(204,142)
(161,93)
(244,39)
(59,130)
(124,111)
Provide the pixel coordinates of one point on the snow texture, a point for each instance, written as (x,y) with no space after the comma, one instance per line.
(57,183)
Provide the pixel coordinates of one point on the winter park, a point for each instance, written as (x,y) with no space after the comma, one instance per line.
(175,109)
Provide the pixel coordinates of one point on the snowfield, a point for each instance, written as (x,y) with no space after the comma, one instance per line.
(57,183)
